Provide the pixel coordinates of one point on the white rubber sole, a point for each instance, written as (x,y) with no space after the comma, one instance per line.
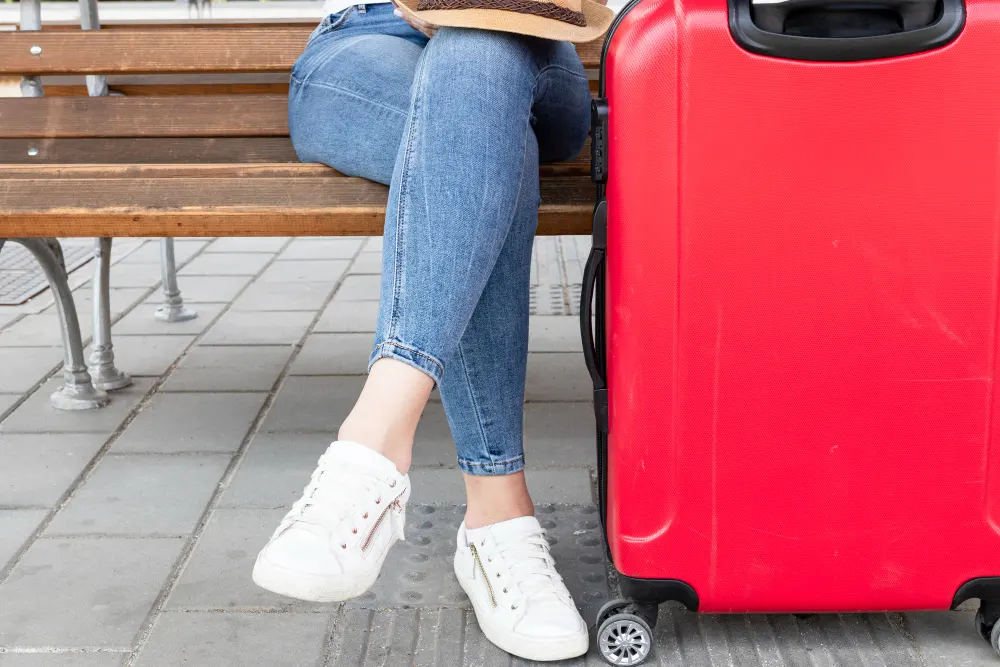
(311,587)
(529,648)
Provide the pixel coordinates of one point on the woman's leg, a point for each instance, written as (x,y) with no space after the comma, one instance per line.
(460,223)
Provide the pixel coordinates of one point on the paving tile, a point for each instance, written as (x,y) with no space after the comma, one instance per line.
(226,264)
(259,328)
(141,321)
(229,368)
(142,496)
(122,299)
(328,248)
(206,289)
(23,367)
(367,263)
(334,354)
(557,376)
(7,401)
(7,319)
(559,434)
(310,270)
(268,296)
(37,468)
(247,244)
(432,486)
(554,333)
(42,330)
(15,528)
(147,355)
(62,659)
(359,288)
(149,251)
(97,592)
(275,469)
(227,640)
(313,404)
(218,576)
(132,274)
(348,316)
(36,415)
(373,244)
(183,422)
(949,639)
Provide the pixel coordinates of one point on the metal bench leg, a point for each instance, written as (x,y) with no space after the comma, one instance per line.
(173,309)
(77,393)
(102,355)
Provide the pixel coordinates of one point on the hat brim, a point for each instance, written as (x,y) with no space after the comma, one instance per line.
(598,18)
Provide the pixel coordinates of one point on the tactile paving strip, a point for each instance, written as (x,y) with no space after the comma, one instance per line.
(556,274)
(420,571)
(21,277)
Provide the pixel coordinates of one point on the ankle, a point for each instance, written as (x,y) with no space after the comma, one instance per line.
(479,515)
(397,448)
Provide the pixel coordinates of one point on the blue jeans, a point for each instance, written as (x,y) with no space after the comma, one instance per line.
(456,126)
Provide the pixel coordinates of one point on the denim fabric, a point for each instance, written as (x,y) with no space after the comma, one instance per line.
(456,125)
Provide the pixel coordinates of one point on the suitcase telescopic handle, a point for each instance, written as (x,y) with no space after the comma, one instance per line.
(844,30)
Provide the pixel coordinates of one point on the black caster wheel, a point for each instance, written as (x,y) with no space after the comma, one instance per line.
(624,639)
(991,633)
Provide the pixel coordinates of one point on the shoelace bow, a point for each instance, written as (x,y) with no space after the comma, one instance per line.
(532,566)
(333,499)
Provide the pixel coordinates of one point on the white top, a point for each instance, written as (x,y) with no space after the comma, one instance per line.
(337,6)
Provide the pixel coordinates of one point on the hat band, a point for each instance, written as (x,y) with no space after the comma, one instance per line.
(535,7)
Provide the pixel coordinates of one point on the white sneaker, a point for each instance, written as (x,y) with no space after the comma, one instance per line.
(331,545)
(521,602)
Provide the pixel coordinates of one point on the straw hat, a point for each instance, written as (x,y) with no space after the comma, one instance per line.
(562,20)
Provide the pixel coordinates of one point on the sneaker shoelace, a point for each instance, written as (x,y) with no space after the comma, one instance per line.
(335,499)
(532,567)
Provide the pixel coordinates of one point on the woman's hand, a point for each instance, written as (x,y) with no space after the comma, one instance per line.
(415,23)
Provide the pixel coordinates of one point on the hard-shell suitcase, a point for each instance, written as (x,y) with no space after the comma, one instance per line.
(794,339)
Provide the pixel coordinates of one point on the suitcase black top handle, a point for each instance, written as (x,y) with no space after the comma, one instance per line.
(844,30)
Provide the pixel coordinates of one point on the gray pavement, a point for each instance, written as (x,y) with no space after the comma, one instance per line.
(127,534)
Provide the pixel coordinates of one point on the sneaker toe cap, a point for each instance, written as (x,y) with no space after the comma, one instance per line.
(302,551)
(551,619)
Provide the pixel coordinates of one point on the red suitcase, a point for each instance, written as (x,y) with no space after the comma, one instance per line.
(796,260)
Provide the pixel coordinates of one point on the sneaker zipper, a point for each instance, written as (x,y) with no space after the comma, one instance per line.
(378,522)
(486,577)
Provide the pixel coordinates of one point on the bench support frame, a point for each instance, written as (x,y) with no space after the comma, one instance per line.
(173,309)
(78,392)
(102,357)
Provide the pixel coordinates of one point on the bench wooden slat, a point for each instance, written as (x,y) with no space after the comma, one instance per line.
(135,153)
(578,167)
(152,51)
(319,206)
(147,150)
(180,50)
(179,116)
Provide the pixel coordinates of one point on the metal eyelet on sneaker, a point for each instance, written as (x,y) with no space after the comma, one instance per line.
(505,590)
(354,530)
(343,546)
(513,607)
(498,575)
(365,515)
(378,501)
(393,485)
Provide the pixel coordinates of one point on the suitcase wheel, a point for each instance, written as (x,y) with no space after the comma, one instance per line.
(624,639)
(988,623)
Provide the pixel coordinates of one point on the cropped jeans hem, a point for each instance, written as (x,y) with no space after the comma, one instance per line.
(491,468)
(391,349)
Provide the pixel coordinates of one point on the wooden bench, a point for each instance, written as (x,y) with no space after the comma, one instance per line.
(191,141)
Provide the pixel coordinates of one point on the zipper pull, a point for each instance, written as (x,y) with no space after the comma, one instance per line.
(397,517)
(475,557)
